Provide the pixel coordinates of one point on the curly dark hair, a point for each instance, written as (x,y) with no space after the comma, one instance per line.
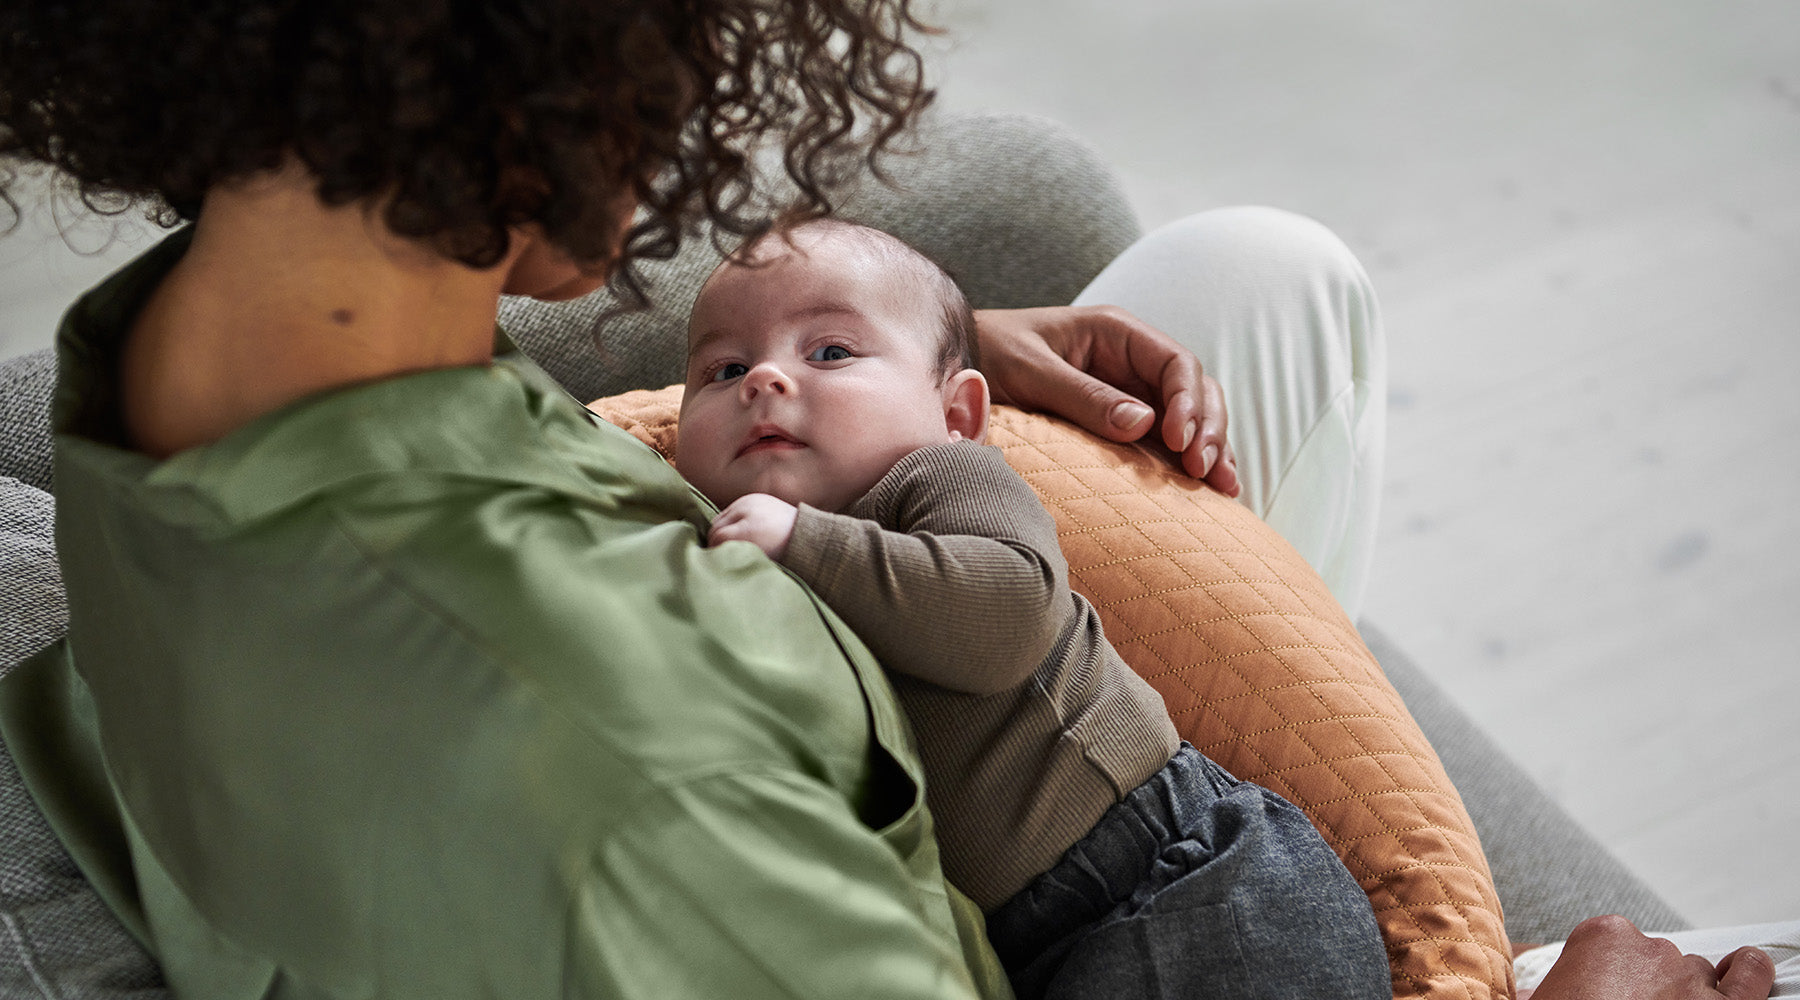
(463,117)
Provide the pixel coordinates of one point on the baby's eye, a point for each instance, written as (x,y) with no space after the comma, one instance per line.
(728,371)
(830,352)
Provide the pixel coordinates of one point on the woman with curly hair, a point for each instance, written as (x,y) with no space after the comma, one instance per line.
(389,672)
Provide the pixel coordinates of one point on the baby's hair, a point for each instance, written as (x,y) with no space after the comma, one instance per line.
(957,345)
(460,121)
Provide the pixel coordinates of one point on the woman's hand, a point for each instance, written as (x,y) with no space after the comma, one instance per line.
(1097,366)
(1607,958)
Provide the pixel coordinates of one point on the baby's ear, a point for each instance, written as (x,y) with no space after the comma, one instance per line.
(966,406)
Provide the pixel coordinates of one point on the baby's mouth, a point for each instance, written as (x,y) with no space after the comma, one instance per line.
(767,439)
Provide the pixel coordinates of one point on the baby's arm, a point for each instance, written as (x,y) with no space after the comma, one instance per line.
(967,589)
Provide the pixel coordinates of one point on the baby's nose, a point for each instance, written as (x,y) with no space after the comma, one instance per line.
(767,377)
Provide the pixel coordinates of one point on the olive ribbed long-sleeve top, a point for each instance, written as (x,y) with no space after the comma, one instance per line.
(1029,724)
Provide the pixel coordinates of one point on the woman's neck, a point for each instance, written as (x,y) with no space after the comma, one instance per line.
(280,297)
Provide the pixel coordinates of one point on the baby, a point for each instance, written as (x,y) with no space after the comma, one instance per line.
(833,409)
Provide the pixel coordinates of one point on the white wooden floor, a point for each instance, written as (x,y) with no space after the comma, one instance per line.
(1584,220)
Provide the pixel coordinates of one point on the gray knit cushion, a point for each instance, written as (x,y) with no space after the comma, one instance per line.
(26,382)
(58,941)
(1550,873)
(1017,208)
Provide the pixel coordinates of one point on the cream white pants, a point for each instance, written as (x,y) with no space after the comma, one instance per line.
(1280,312)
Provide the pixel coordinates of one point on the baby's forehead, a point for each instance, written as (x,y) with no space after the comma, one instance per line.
(862,258)
(827,246)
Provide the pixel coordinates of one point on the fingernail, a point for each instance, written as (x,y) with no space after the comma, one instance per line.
(1127,414)
(1187,436)
(1207,457)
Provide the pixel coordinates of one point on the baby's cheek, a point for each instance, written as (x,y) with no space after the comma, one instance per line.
(692,469)
(691,449)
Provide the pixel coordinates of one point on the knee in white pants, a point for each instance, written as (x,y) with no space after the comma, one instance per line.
(1280,311)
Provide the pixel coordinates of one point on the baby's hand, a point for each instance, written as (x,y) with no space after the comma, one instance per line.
(759,518)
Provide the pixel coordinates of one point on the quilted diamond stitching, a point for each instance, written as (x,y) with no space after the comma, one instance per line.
(1378,793)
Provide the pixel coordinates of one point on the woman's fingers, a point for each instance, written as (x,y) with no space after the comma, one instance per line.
(1746,974)
(1216,456)
(1607,958)
(1194,418)
(1045,359)
(1090,402)
(1104,369)
(1195,431)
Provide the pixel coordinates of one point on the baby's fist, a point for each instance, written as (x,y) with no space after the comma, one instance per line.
(759,518)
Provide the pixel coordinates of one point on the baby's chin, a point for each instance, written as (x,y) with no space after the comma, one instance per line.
(790,484)
(817,498)
(832,497)
(724,495)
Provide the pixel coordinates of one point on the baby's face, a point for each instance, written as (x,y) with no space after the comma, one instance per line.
(810,376)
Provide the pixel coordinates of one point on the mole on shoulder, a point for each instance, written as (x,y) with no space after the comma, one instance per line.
(342,317)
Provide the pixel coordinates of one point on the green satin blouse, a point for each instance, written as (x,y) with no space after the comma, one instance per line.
(428,688)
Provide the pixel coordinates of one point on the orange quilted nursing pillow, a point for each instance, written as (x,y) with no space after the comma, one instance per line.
(1262,671)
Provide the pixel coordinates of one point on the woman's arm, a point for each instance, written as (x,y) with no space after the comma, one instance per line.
(1097,366)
